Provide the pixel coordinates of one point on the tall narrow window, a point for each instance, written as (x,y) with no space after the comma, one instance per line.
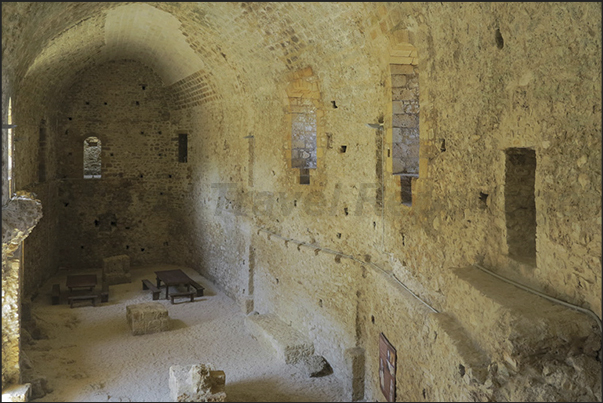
(306,119)
(92,158)
(10,148)
(303,135)
(405,118)
(520,205)
(182,147)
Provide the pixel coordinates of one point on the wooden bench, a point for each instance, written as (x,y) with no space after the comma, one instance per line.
(56,294)
(147,285)
(82,297)
(198,287)
(104,294)
(190,294)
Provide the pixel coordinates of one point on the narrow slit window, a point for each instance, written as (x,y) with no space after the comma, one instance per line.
(182,147)
(92,158)
(303,136)
(10,148)
(405,119)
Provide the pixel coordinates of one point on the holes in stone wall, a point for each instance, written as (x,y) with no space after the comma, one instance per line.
(334,104)
(182,147)
(520,203)
(92,158)
(69,119)
(339,235)
(144,87)
(345,211)
(105,103)
(483,197)
(137,103)
(320,303)
(343,149)
(372,319)
(462,370)
(500,42)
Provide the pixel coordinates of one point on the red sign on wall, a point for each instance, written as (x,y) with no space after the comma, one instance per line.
(387,368)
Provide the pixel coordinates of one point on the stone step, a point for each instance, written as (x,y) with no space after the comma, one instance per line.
(290,345)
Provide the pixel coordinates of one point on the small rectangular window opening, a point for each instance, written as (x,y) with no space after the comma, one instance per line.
(304,176)
(182,147)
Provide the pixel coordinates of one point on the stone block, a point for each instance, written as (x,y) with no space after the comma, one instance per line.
(398,80)
(197,383)
(404,120)
(148,317)
(290,345)
(116,270)
(401,69)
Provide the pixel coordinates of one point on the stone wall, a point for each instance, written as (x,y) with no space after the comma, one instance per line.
(129,209)
(348,255)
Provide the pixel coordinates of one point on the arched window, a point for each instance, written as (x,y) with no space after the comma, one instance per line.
(92,158)
(305,117)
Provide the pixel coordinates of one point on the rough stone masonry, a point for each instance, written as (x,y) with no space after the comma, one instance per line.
(437,138)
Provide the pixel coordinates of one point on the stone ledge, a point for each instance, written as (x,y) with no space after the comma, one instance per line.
(291,346)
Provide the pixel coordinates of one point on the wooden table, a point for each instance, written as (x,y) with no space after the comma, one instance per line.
(81,281)
(172,278)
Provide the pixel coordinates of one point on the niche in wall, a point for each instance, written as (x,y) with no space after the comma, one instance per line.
(520,206)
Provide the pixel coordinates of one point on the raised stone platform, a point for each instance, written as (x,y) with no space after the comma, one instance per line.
(290,345)
(148,317)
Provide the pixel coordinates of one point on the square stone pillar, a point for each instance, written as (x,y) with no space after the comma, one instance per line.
(116,270)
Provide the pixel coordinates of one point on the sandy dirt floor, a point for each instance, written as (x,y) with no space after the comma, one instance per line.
(90,354)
